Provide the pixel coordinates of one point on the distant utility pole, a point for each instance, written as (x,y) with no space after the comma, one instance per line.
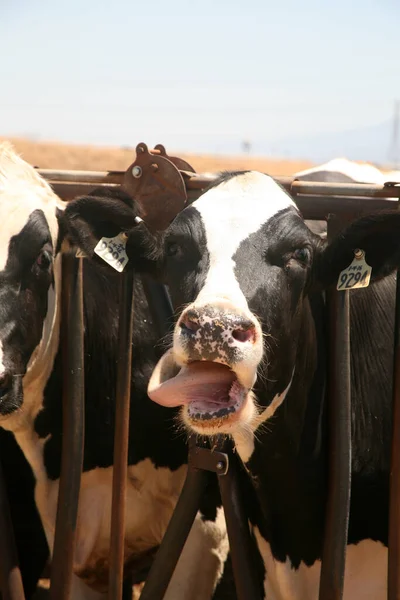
(394,149)
(246,146)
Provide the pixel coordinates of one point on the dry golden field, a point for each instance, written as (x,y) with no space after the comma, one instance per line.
(52,155)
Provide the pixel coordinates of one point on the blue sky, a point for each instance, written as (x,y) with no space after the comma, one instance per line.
(201,76)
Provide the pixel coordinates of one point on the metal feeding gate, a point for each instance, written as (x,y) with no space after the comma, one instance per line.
(162,186)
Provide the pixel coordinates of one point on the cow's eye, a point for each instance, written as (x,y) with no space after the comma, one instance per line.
(172,248)
(44,260)
(303,255)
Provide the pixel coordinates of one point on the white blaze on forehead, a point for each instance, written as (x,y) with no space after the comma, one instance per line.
(22,191)
(231,212)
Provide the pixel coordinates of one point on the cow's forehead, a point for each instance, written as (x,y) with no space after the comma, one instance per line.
(16,208)
(238,207)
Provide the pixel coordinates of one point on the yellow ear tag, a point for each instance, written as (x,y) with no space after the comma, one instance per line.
(356,275)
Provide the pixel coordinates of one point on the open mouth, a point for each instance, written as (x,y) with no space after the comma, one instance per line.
(208,390)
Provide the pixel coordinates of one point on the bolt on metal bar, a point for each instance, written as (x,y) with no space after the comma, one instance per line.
(394,509)
(121,438)
(73,428)
(339,419)
(11,587)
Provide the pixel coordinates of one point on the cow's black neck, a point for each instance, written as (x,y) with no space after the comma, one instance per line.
(290,461)
(148,421)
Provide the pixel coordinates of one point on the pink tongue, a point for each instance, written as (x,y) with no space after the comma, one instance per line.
(199,381)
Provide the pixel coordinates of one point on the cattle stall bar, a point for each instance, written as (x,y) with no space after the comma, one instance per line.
(173,184)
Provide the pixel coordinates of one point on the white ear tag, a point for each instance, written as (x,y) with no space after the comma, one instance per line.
(356,275)
(113,251)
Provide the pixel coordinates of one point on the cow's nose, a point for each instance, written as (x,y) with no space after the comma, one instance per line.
(5,383)
(211,323)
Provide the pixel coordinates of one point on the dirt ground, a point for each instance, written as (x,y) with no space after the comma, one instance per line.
(51,155)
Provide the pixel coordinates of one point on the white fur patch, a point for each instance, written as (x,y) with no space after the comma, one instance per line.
(2,366)
(207,543)
(231,212)
(245,437)
(365,574)
(22,191)
(152,494)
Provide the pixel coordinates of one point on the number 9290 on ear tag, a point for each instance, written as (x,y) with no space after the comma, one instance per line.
(113,251)
(356,275)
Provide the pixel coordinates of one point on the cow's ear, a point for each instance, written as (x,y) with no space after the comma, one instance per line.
(378,235)
(107,213)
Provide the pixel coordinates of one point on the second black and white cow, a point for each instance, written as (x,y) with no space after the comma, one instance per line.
(249,360)
(340,170)
(34,226)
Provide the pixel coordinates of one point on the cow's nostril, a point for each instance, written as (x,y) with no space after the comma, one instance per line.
(244,335)
(5,384)
(190,322)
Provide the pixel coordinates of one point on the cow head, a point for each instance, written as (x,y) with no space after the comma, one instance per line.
(29,280)
(240,264)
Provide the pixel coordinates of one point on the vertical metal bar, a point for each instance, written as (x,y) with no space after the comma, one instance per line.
(240,542)
(339,419)
(394,510)
(73,428)
(121,438)
(175,537)
(160,306)
(11,587)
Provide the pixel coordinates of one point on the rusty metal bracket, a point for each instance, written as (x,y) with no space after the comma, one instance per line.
(208,460)
(157,185)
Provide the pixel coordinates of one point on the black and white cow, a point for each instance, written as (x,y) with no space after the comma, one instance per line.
(34,226)
(249,359)
(341,170)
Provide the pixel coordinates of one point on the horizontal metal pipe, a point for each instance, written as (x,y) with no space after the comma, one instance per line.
(197,181)
(312,207)
(96,177)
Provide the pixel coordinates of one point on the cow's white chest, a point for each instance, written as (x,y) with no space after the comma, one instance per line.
(365,575)
(152,494)
(151,497)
